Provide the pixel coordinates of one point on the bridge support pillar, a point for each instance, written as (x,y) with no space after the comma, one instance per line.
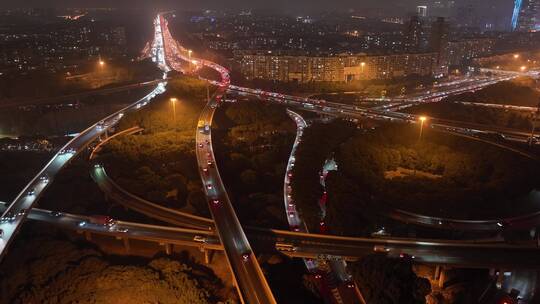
(442,278)
(207,255)
(168,248)
(500,279)
(88,235)
(437,272)
(126,244)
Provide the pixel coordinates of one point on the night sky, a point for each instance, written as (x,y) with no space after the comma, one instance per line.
(274,4)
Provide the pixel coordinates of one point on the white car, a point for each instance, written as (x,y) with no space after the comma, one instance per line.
(44,179)
(8,218)
(200,239)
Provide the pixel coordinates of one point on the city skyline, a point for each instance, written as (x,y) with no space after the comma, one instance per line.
(384,154)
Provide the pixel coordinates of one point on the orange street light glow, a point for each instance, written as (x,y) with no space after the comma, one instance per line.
(422,118)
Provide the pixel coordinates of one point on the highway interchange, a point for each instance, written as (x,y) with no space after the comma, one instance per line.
(225,231)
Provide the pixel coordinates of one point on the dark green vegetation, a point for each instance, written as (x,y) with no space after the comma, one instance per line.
(48,267)
(42,84)
(442,175)
(290,282)
(65,119)
(319,141)
(74,191)
(253,142)
(389,281)
(451,176)
(160,164)
(475,114)
(17,168)
(520,92)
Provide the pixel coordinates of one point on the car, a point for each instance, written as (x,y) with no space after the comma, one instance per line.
(215,202)
(200,239)
(245,256)
(7,218)
(44,179)
(56,213)
(318,276)
(22,212)
(103,220)
(349,284)
(201,145)
(210,163)
(98,166)
(122,230)
(31,192)
(406,256)
(379,248)
(209,187)
(295,228)
(82,223)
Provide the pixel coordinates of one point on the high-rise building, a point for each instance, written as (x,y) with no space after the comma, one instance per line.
(414,34)
(421,11)
(525,17)
(438,42)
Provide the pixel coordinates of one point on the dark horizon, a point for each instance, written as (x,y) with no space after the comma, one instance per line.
(308,5)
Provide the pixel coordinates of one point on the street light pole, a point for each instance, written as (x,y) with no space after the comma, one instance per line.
(173,101)
(189,56)
(422,120)
(534,120)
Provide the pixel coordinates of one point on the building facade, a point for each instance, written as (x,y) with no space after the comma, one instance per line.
(463,51)
(283,66)
(526,15)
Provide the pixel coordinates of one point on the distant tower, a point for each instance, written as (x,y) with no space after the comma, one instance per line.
(515,13)
(421,10)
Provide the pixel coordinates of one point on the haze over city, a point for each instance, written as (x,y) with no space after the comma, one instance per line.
(270,152)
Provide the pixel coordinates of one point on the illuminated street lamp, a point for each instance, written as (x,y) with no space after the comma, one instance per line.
(173,102)
(523,68)
(422,120)
(516,56)
(363,64)
(189,53)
